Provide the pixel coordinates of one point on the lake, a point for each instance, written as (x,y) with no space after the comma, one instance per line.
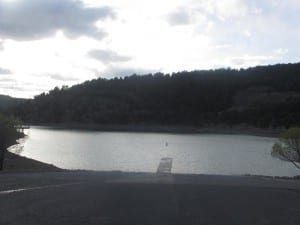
(129,151)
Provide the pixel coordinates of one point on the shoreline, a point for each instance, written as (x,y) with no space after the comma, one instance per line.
(14,163)
(236,130)
(19,164)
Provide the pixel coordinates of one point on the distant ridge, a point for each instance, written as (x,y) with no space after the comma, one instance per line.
(8,102)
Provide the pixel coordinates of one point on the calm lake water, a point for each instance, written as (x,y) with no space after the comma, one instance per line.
(127,151)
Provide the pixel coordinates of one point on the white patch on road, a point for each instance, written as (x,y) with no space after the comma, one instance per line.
(35,188)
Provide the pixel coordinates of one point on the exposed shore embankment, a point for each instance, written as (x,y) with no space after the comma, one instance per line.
(17,163)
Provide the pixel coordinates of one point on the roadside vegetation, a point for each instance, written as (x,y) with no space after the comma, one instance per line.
(9,133)
(288,146)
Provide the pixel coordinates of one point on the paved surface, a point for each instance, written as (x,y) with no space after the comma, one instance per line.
(84,198)
(165,165)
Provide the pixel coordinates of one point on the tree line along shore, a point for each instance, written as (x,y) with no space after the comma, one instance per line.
(260,97)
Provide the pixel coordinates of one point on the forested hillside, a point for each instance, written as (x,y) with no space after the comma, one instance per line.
(264,96)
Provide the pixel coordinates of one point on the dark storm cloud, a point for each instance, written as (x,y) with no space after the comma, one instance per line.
(107,56)
(5,71)
(37,19)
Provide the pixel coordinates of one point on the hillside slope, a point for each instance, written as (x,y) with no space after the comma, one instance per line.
(8,102)
(264,96)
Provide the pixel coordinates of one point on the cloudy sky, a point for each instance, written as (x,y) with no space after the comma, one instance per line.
(48,43)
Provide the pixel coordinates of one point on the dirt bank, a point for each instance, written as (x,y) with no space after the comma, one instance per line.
(13,162)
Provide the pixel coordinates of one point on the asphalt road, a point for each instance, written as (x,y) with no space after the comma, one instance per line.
(84,198)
